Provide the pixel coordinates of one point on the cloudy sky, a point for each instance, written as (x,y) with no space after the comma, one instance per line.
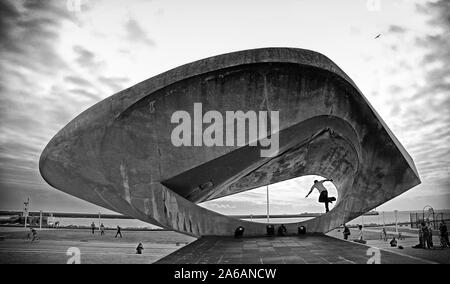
(59,57)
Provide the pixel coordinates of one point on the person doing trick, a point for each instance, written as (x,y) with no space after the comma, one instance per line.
(323,197)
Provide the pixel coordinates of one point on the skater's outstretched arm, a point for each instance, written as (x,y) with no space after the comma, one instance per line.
(312,188)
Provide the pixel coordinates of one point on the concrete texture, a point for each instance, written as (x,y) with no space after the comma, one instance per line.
(306,249)
(53,245)
(118,154)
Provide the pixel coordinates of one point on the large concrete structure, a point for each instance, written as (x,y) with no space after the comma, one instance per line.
(118,154)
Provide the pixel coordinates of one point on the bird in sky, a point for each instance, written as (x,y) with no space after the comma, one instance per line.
(378,36)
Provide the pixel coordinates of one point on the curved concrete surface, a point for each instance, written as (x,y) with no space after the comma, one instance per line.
(118,154)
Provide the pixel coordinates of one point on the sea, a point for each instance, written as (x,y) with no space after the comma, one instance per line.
(385,217)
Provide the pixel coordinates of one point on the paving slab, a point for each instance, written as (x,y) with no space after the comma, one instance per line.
(309,249)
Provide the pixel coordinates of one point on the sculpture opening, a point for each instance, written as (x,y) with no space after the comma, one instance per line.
(285,198)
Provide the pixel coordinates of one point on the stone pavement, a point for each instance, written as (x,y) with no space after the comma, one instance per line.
(307,249)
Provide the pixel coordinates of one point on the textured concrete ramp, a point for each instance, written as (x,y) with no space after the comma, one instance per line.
(306,249)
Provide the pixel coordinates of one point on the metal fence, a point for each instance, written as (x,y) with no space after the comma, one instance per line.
(432,218)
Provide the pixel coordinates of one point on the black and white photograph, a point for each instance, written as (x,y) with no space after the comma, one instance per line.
(247,135)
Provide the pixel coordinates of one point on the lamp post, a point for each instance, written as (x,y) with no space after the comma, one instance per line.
(25,210)
(396,216)
(268,216)
(40,220)
(99,220)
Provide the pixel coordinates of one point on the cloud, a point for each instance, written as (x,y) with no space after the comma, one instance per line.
(417,101)
(114,83)
(78,81)
(397,29)
(86,58)
(53,65)
(86,94)
(40,91)
(135,33)
(29,33)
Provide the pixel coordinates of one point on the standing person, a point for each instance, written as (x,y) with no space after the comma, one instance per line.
(384,234)
(93,227)
(360,235)
(346,232)
(118,232)
(421,240)
(430,234)
(102,229)
(323,197)
(425,236)
(443,234)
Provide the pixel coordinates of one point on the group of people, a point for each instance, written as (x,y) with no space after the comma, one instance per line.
(426,235)
(139,248)
(360,239)
(346,233)
(102,230)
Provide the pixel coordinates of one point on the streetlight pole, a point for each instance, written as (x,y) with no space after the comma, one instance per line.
(99,220)
(268,216)
(40,220)
(396,217)
(25,209)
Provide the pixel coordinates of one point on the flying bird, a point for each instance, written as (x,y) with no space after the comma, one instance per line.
(378,36)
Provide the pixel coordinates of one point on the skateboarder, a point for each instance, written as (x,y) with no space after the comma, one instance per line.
(323,197)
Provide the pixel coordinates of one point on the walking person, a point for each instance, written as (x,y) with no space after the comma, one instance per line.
(323,197)
(118,233)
